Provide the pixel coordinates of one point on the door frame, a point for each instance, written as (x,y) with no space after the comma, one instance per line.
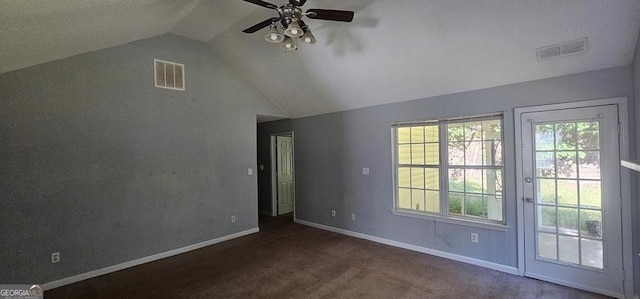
(274,169)
(625,180)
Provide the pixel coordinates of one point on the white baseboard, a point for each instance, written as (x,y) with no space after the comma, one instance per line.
(140,261)
(451,256)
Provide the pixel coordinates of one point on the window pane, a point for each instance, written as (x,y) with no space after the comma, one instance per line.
(589,165)
(404,177)
(433,201)
(588,135)
(590,194)
(455,133)
(565,136)
(545,165)
(417,178)
(473,154)
(592,253)
(160,78)
(404,135)
(544,137)
(546,190)
(492,151)
(473,180)
(404,198)
(473,131)
(170,75)
(492,129)
(417,134)
(456,153)
(417,154)
(494,207)
(417,200)
(591,224)
(566,164)
(474,205)
(546,220)
(179,77)
(404,154)
(547,246)
(568,249)
(432,178)
(455,202)
(568,221)
(431,134)
(456,180)
(568,192)
(491,181)
(432,153)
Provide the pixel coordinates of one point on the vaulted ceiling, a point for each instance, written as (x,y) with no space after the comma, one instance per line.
(393,50)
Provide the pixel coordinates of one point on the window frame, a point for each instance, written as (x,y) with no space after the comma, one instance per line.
(443,167)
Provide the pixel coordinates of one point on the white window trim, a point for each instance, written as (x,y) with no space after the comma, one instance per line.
(155,83)
(452,220)
(444,204)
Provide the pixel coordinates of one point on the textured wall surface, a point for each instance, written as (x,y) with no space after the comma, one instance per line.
(101,166)
(331,150)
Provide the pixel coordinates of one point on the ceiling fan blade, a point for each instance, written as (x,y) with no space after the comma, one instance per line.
(260,25)
(331,15)
(262,3)
(298,2)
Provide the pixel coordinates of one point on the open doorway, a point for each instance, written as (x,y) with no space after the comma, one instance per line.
(282,174)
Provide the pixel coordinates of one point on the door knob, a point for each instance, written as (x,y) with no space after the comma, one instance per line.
(528,199)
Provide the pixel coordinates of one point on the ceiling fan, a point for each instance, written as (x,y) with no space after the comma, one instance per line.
(291,20)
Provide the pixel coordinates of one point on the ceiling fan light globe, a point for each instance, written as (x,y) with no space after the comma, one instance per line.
(293,30)
(273,36)
(308,38)
(288,44)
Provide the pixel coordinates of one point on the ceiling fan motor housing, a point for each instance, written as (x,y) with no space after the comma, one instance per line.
(289,13)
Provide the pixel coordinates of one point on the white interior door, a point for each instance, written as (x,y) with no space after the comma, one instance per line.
(284,174)
(572,194)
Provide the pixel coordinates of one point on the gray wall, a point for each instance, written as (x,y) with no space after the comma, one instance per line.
(101,166)
(636,220)
(331,149)
(264,158)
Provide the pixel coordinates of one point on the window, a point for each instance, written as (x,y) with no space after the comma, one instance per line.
(451,168)
(169,75)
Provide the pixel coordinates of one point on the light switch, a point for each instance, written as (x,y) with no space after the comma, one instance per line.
(250,171)
(365,170)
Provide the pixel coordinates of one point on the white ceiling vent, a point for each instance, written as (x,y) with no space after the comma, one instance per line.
(168,75)
(564,49)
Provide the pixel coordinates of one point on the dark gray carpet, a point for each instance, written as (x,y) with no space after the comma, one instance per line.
(287,260)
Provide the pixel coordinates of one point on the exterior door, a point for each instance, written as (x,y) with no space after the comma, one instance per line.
(284,174)
(572,198)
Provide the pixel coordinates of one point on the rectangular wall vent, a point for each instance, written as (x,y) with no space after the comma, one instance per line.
(564,49)
(169,75)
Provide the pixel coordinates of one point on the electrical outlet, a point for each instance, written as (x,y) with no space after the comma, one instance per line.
(233,218)
(353,216)
(333,213)
(250,171)
(55,257)
(365,170)
(474,238)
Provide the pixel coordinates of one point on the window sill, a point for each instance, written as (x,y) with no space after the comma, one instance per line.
(458,221)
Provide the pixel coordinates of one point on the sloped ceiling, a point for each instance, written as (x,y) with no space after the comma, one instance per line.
(393,51)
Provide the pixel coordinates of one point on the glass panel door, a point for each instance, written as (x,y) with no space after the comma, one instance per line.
(571,192)
(567,193)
